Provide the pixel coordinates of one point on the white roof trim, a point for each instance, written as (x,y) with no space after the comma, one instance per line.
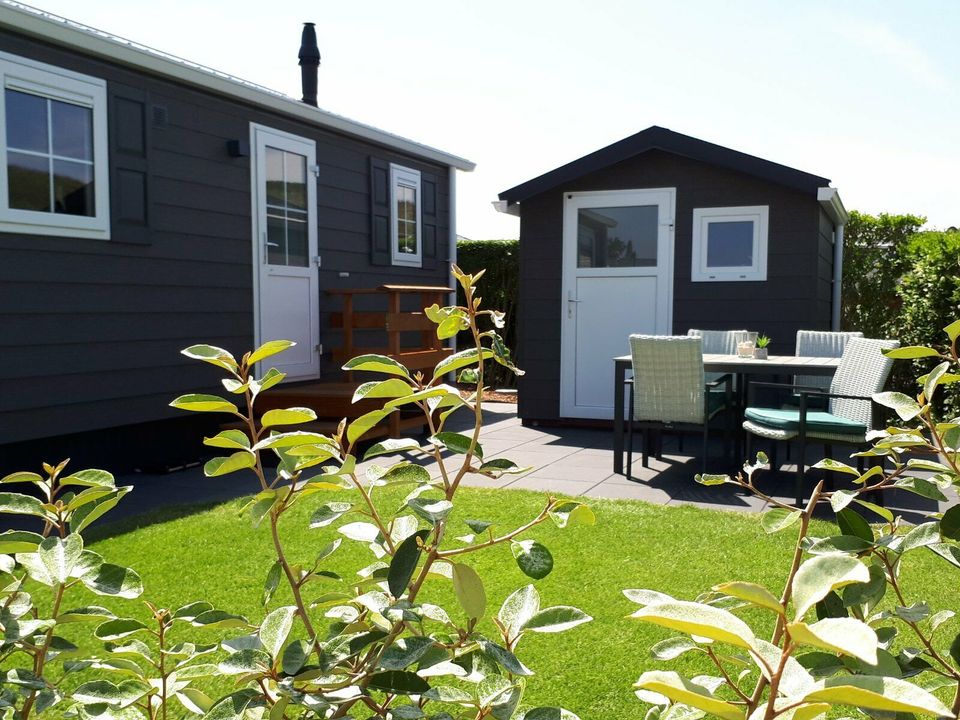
(829,199)
(505,207)
(38,23)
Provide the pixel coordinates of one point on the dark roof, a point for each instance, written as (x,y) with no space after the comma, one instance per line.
(658,138)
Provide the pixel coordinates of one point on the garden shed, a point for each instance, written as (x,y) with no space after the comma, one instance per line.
(659,233)
(148,203)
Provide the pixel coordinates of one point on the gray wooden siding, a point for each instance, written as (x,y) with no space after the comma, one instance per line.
(790,298)
(90,331)
(824,268)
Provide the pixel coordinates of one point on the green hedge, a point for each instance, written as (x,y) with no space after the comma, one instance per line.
(903,284)
(929,293)
(499,288)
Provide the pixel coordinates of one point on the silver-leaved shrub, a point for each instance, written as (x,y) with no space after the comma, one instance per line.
(848,634)
(379,645)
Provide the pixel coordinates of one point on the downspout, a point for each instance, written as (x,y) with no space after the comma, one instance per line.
(837,275)
(452,240)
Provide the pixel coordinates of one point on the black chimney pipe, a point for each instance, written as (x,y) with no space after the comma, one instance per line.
(309,62)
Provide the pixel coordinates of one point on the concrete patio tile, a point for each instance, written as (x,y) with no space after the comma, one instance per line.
(590,458)
(561,470)
(525,457)
(633,491)
(520,433)
(551,485)
(598,452)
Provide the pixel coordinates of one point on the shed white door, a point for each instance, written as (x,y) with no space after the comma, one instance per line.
(617,280)
(285,248)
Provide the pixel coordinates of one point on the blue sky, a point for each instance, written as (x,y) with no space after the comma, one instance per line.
(863,92)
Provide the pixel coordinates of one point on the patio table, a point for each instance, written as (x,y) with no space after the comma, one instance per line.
(734,364)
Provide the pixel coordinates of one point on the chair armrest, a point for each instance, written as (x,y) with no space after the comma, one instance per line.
(727,378)
(803,405)
(825,394)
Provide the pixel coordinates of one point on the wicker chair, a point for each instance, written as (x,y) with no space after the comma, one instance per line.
(669,391)
(721,342)
(863,371)
(819,343)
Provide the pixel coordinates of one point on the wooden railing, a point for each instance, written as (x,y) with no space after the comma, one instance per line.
(398,325)
(394,322)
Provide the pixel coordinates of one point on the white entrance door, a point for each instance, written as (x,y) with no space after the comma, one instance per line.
(617,280)
(287,288)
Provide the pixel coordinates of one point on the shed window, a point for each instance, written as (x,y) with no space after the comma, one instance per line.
(730,244)
(405,216)
(53,152)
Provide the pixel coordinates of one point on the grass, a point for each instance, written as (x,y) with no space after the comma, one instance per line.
(215,555)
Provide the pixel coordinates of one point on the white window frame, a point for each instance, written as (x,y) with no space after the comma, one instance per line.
(759,215)
(36,78)
(404,177)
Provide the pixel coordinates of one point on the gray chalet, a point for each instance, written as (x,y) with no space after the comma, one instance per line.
(659,233)
(148,203)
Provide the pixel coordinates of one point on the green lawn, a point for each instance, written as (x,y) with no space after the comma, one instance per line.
(216,556)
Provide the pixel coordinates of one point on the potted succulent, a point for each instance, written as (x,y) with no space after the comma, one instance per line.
(760,351)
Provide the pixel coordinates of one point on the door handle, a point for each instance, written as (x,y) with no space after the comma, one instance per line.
(571,301)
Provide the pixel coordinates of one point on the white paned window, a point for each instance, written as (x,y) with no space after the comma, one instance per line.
(53,151)
(730,244)
(405,243)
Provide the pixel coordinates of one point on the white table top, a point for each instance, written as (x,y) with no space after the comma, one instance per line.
(773,364)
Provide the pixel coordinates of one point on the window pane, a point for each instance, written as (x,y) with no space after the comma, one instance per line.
(730,244)
(29,180)
(274,167)
(296,180)
(407,237)
(73,188)
(276,240)
(406,203)
(297,239)
(617,236)
(26,121)
(72,130)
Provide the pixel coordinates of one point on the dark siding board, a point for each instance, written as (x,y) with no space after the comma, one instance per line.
(105,299)
(825,269)
(789,300)
(333,218)
(233,174)
(202,196)
(174,217)
(346,200)
(81,388)
(48,330)
(87,357)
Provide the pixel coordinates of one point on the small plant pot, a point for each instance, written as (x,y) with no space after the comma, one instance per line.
(760,353)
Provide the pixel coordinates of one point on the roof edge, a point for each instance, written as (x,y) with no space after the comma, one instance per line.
(47,26)
(829,199)
(656,137)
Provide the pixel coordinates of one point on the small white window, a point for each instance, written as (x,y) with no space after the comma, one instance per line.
(405,216)
(53,151)
(730,244)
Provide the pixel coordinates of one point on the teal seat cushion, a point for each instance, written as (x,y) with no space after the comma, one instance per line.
(817,421)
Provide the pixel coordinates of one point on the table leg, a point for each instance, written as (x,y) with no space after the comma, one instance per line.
(619,378)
